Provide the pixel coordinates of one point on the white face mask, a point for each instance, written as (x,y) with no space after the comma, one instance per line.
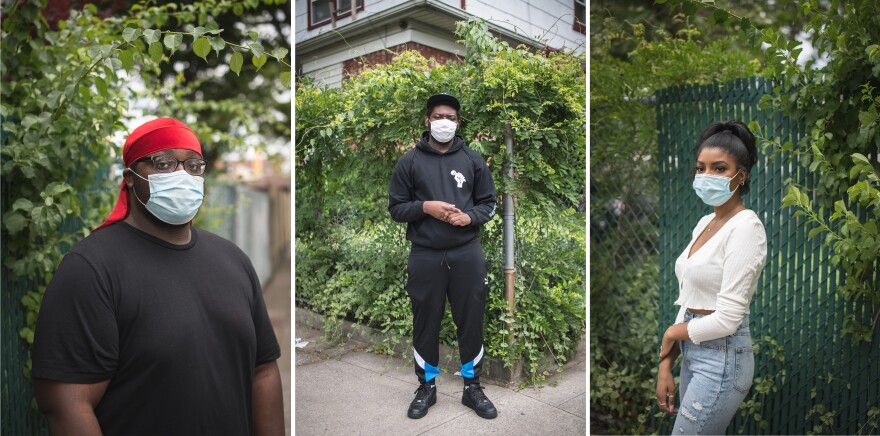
(174,197)
(443,130)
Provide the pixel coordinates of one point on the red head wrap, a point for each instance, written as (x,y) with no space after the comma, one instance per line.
(150,137)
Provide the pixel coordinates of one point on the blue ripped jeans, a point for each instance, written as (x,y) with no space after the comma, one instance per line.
(715,377)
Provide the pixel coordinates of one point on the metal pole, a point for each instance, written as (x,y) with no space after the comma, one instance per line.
(509,268)
(508,216)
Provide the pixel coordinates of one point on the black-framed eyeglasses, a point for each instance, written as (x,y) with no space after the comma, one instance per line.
(168,164)
(450,117)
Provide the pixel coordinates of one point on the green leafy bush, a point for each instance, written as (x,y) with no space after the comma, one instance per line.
(360,274)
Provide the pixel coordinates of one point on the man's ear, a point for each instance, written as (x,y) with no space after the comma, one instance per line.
(128,178)
(427,122)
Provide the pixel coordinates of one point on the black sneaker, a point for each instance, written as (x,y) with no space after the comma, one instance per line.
(474,398)
(426,396)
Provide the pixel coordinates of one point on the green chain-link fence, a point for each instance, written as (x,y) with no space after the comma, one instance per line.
(819,379)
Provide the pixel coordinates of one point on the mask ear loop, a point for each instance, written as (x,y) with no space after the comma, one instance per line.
(740,183)
(133,188)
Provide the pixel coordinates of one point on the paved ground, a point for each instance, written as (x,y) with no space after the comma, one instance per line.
(277,296)
(344,389)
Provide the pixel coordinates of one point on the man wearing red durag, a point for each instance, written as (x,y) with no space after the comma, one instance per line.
(150,325)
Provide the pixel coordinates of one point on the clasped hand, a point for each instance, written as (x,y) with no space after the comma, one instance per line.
(444,211)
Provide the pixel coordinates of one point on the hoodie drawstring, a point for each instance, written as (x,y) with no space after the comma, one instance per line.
(444,260)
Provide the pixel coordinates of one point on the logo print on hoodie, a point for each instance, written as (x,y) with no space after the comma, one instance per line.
(459,177)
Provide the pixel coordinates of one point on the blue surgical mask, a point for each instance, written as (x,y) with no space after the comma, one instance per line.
(714,190)
(175,197)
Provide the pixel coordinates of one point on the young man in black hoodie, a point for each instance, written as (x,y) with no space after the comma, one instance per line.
(444,192)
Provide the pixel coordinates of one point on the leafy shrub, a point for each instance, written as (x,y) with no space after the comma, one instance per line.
(624,344)
(360,274)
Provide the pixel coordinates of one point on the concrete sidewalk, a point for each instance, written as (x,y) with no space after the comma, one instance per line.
(344,389)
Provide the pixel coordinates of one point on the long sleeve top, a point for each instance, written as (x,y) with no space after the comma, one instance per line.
(722,275)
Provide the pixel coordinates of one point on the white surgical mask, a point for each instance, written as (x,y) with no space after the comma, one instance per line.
(175,197)
(443,130)
(714,190)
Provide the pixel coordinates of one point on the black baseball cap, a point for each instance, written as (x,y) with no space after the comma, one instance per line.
(446,99)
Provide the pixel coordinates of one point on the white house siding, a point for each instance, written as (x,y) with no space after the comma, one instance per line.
(331,75)
(549,20)
(328,66)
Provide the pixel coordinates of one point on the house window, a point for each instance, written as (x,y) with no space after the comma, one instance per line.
(321,11)
(580,16)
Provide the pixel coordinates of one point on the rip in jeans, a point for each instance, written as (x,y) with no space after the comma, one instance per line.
(690,415)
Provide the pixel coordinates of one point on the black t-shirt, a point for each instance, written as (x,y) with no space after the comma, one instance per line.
(177,329)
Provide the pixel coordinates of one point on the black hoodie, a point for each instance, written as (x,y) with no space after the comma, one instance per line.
(459,176)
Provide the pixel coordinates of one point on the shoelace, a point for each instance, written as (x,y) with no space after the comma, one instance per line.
(422,393)
(476,392)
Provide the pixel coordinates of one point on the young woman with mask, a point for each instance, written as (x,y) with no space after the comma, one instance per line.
(717,273)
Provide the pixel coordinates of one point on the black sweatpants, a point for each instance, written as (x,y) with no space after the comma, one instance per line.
(433,276)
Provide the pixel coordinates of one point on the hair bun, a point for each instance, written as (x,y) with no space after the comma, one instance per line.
(740,143)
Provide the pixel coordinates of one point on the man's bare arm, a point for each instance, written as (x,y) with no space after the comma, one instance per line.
(268,400)
(70,408)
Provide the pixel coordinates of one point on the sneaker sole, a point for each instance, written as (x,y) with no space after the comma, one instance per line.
(431,402)
(466,402)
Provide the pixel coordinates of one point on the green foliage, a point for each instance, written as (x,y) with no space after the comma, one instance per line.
(549,297)
(843,132)
(754,406)
(623,338)
(66,91)
(872,423)
(359,273)
(351,258)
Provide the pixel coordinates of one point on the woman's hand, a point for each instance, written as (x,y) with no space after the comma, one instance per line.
(666,387)
(669,351)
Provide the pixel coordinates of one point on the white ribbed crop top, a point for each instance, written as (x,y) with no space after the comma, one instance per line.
(722,275)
